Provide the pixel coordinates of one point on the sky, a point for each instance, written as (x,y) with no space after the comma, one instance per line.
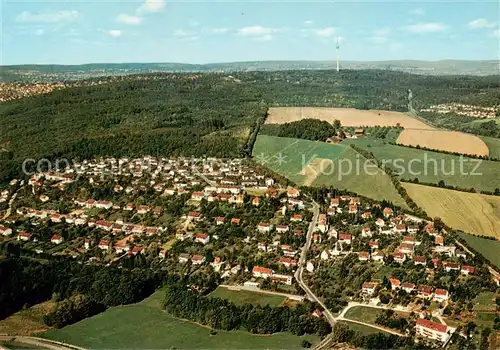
(96,31)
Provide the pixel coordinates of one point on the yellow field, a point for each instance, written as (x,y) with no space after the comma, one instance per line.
(470,212)
(441,140)
(347,117)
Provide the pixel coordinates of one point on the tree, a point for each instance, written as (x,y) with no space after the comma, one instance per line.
(305,344)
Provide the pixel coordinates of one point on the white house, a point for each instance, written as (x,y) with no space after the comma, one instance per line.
(202,238)
(5,231)
(432,330)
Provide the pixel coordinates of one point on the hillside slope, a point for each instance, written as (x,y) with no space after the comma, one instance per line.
(312,163)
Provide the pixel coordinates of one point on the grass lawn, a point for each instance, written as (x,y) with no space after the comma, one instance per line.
(365,330)
(486,247)
(144,325)
(314,163)
(384,270)
(247,297)
(363,314)
(485,302)
(493,145)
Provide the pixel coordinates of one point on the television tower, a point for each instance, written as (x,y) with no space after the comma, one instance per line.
(338,54)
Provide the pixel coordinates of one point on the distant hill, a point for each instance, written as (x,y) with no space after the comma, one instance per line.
(71,72)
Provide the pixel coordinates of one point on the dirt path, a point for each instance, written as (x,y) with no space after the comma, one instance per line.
(39,342)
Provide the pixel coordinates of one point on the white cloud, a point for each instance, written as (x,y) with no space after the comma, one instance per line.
(267,37)
(256,31)
(417,11)
(382,31)
(128,19)
(39,32)
(496,33)
(308,22)
(184,35)
(378,40)
(325,32)
(151,6)
(426,27)
(180,33)
(48,17)
(115,33)
(480,23)
(218,30)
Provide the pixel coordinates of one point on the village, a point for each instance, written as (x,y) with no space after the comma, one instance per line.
(463,109)
(228,217)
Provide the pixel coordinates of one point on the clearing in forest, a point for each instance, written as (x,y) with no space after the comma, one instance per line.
(346,116)
(470,212)
(441,140)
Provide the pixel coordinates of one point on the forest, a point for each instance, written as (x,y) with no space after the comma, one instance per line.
(88,289)
(208,114)
(309,129)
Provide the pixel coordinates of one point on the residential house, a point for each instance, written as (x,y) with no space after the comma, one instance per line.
(399,257)
(220,220)
(388,212)
(364,256)
(366,232)
(293,193)
(467,270)
(285,279)
(424,291)
(287,262)
(419,260)
(5,231)
(395,283)
(103,245)
(197,259)
(373,244)
(202,238)
(296,218)
(259,271)
(408,287)
(441,295)
(282,228)
(23,236)
(194,216)
(264,227)
(56,239)
(345,238)
(183,258)
(369,288)
(235,221)
(432,330)
(256,201)
(378,256)
(451,266)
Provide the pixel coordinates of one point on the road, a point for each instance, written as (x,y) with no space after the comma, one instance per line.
(38,342)
(298,275)
(204,178)
(9,209)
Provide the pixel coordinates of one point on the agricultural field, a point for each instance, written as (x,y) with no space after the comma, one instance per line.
(347,117)
(144,325)
(486,247)
(432,167)
(470,212)
(441,140)
(493,146)
(313,163)
(241,297)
